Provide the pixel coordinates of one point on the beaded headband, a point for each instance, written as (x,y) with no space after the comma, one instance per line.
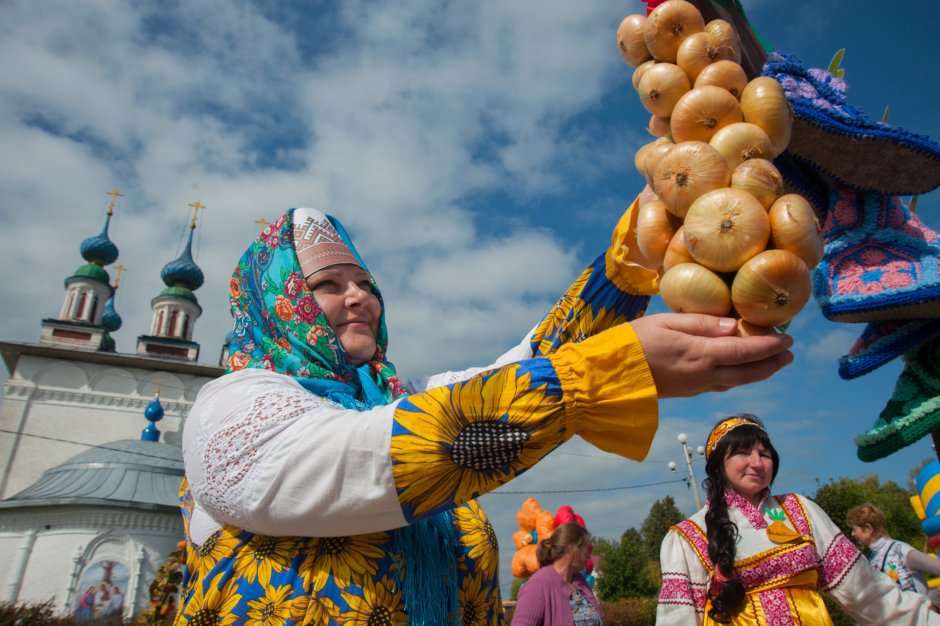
(723,429)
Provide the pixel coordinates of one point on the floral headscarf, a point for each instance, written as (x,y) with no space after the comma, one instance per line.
(280,327)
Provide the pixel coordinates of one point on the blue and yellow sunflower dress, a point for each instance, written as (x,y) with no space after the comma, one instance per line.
(305,503)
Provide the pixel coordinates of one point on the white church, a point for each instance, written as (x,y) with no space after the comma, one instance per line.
(89,487)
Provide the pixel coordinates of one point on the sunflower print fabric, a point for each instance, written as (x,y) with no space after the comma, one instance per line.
(448,446)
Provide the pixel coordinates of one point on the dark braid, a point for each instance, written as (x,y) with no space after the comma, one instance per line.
(727,591)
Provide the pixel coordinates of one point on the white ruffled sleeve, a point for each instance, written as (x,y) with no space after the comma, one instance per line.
(845,575)
(246,448)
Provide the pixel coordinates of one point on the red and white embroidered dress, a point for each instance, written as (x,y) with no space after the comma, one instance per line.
(783,581)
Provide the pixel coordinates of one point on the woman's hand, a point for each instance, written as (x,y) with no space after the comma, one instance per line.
(689,354)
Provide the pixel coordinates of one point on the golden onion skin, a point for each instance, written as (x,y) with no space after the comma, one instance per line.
(691,288)
(771,288)
(726,227)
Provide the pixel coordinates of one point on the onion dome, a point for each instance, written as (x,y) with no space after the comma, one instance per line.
(154,413)
(99,249)
(183,272)
(110,318)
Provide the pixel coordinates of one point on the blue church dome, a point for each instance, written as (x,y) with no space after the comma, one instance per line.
(99,249)
(110,318)
(183,271)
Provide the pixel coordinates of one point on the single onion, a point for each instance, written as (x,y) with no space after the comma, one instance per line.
(759,178)
(764,103)
(702,112)
(639,71)
(771,288)
(649,155)
(725,74)
(630,40)
(676,252)
(691,288)
(668,25)
(685,172)
(655,227)
(725,38)
(659,126)
(700,50)
(726,227)
(740,142)
(795,227)
(661,86)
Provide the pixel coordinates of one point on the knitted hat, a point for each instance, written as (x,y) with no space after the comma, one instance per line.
(843,142)
(882,342)
(914,408)
(880,262)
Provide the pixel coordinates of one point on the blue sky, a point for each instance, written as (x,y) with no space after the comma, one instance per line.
(479,153)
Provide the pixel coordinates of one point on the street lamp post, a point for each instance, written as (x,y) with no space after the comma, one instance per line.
(687,451)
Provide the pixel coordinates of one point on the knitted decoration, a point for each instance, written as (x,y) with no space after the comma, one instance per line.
(880,262)
(914,408)
(841,141)
(882,342)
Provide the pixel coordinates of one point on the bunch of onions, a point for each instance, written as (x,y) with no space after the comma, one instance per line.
(759,178)
(727,239)
(702,112)
(795,227)
(661,86)
(655,228)
(726,227)
(691,288)
(764,103)
(725,74)
(741,141)
(668,25)
(676,252)
(688,170)
(700,50)
(630,40)
(771,288)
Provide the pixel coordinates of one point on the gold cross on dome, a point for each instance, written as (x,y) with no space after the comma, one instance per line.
(263,223)
(196,206)
(120,270)
(115,194)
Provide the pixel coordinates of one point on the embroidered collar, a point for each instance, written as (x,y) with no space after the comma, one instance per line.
(753,514)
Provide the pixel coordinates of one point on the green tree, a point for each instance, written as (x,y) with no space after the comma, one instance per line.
(838,496)
(626,570)
(663,515)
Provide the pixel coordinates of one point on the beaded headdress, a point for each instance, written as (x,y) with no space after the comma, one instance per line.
(725,427)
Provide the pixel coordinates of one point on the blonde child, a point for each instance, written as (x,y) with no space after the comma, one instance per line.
(897,559)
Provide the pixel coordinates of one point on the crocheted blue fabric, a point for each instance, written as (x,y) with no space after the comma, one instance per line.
(880,262)
(882,342)
(843,142)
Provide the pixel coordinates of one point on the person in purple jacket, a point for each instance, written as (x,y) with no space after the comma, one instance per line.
(558,594)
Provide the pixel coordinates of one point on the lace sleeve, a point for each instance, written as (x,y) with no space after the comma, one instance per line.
(265,455)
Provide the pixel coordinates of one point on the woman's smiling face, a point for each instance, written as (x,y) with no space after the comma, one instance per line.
(344,293)
(749,471)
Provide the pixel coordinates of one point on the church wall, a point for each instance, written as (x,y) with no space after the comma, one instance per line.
(52,410)
(76,547)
